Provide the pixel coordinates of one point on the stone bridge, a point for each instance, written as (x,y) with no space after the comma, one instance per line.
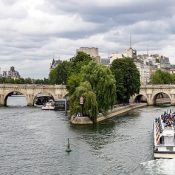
(31,91)
(151,92)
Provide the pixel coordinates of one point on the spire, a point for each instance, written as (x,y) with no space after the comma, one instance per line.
(53,61)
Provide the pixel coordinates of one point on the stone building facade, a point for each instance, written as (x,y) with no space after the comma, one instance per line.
(92,51)
(131,53)
(55,63)
(12,73)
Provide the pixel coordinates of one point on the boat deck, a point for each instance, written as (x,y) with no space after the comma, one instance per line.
(164,136)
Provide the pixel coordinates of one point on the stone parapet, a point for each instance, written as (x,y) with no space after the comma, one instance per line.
(80,120)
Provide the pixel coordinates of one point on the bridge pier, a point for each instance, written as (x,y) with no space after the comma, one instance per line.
(173,99)
(30,100)
(2,101)
(150,100)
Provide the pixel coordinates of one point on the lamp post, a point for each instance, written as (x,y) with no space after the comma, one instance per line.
(65,106)
(81,103)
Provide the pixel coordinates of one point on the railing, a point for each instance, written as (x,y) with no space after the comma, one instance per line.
(32,86)
(157,130)
(158,86)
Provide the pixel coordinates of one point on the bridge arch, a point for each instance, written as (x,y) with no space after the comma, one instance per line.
(42,97)
(13,92)
(30,91)
(140,98)
(161,97)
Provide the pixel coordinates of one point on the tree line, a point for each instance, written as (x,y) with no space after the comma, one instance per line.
(23,81)
(162,77)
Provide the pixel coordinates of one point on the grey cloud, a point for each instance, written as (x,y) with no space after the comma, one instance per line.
(151,24)
(9,2)
(10,9)
(131,11)
(116,16)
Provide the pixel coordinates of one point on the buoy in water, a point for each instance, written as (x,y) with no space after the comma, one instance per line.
(68,146)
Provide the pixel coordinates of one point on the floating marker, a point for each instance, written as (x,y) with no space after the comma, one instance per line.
(68,146)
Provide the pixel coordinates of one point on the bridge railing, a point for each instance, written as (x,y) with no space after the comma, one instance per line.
(33,86)
(161,86)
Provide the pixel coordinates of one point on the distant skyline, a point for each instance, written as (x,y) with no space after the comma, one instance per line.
(32,32)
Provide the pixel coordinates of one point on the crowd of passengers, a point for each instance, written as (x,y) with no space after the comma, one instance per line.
(168,119)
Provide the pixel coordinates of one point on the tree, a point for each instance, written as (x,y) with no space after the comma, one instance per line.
(90,106)
(161,77)
(73,82)
(60,74)
(127,79)
(96,84)
(102,82)
(79,61)
(173,78)
(28,81)
(9,80)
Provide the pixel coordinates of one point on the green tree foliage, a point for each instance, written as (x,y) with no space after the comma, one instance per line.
(28,81)
(73,82)
(60,74)
(162,77)
(9,80)
(97,85)
(173,78)
(127,79)
(79,61)
(103,84)
(90,106)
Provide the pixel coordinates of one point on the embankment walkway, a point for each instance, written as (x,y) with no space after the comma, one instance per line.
(119,110)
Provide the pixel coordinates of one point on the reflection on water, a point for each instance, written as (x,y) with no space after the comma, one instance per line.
(33,142)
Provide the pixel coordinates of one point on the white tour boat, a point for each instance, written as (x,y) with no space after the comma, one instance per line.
(50,105)
(164,136)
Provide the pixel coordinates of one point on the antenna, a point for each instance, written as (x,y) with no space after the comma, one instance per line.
(130,41)
(147,50)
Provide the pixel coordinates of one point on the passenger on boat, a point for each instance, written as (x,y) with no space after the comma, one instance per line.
(168,119)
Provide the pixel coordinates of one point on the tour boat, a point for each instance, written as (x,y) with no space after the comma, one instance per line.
(164,136)
(50,105)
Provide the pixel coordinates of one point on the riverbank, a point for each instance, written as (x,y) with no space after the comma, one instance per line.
(118,111)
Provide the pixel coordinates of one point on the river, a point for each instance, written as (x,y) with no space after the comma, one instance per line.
(33,142)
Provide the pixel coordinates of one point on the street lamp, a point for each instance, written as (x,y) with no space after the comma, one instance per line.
(81,103)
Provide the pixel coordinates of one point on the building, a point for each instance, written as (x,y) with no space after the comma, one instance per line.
(161,62)
(172,69)
(115,56)
(131,53)
(55,63)
(105,61)
(92,51)
(12,73)
(150,64)
(145,72)
(165,63)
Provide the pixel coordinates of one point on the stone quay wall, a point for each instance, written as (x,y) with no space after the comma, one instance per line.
(118,111)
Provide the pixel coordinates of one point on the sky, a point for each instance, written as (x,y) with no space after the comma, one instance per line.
(33,32)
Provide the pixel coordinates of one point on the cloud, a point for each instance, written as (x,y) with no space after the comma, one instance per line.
(33,32)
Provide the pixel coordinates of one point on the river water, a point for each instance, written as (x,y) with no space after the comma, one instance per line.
(33,142)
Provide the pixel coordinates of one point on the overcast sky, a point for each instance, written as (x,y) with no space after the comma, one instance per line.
(32,32)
